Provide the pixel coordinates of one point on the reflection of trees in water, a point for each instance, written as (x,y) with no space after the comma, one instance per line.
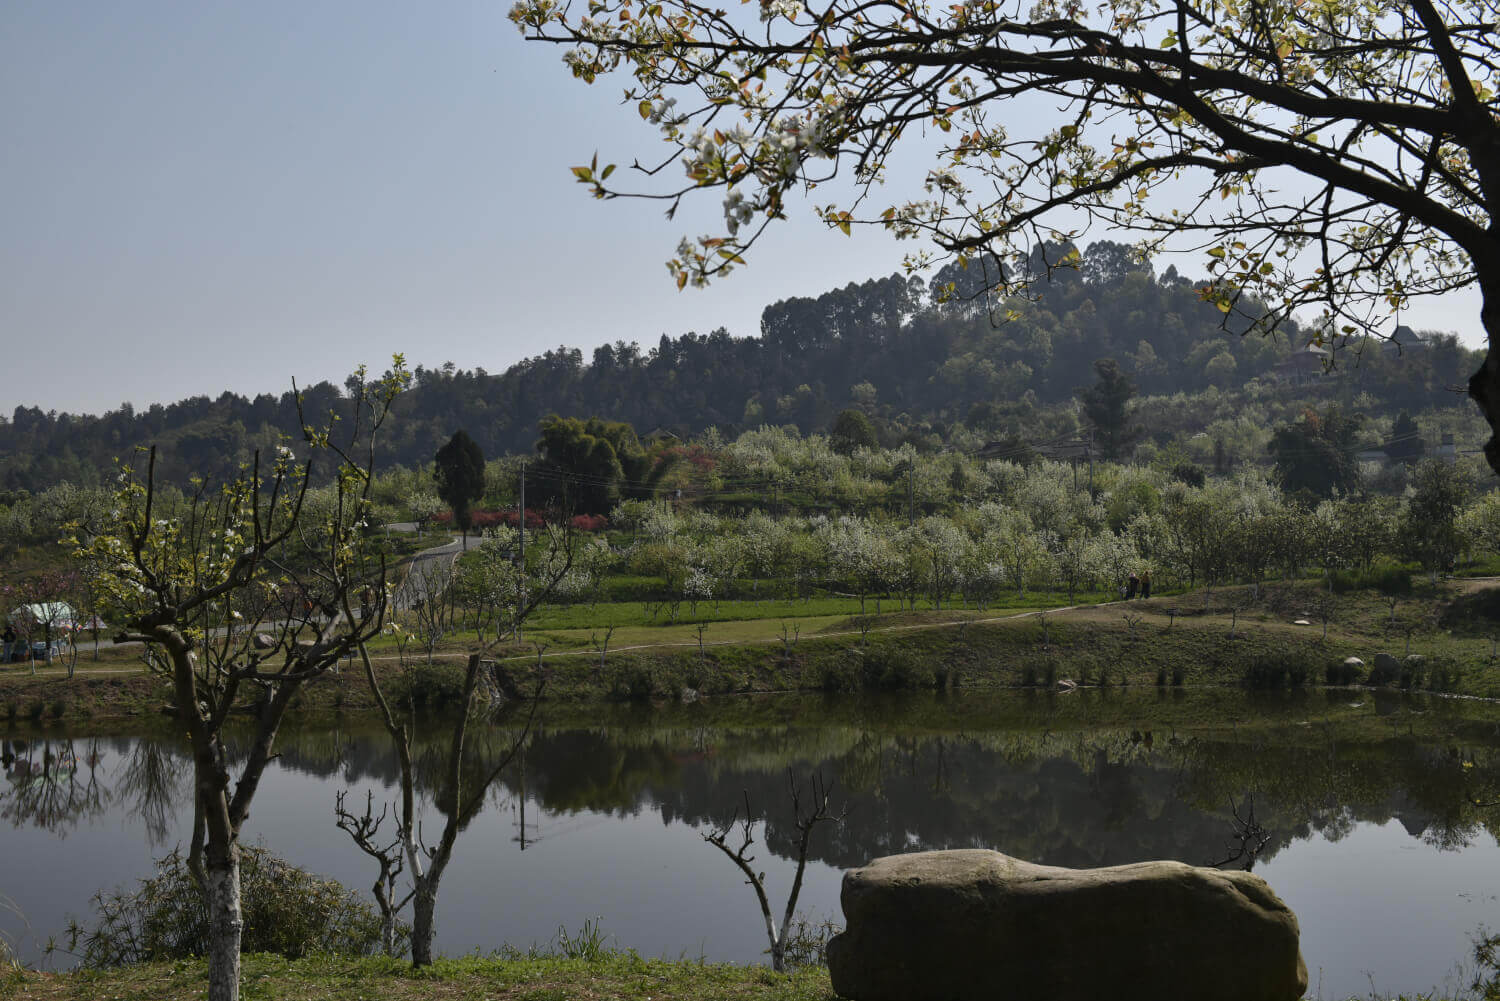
(56,783)
(52,784)
(150,778)
(1079,797)
(1073,795)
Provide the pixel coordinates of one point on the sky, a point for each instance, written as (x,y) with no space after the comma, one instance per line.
(210,196)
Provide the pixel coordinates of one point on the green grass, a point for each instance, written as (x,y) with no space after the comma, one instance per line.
(620,605)
(336,978)
(1222,638)
(611,977)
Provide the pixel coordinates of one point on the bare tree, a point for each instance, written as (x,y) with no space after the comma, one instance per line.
(601,646)
(463,789)
(365,831)
(789,638)
(1248,837)
(806,816)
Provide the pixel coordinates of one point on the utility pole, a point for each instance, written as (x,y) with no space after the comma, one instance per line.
(911,495)
(1091,463)
(521,577)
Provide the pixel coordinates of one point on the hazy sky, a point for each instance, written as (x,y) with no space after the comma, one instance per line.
(205,196)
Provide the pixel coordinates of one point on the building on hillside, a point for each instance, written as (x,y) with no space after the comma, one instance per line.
(1404,340)
(1307,364)
(660,435)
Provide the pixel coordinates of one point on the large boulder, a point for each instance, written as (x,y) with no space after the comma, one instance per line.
(975,925)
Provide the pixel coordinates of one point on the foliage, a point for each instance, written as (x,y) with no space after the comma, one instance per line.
(927,372)
(852,430)
(1316,452)
(588,465)
(1430,531)
(288,911)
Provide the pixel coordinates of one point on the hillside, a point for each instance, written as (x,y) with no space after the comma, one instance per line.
(891,345)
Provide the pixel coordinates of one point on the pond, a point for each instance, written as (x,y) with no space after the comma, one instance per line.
(1372,803)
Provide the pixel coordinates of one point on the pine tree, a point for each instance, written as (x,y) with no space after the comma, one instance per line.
(1106,407)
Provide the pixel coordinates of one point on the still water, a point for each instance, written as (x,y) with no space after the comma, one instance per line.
(1378,838)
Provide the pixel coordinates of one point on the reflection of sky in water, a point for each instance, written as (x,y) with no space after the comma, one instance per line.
(1378,903)
(1383,903)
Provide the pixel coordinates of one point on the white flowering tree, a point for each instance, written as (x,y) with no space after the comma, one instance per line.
(1077,560)
(852,544)
(195,583)
(1021,550)
(944,547)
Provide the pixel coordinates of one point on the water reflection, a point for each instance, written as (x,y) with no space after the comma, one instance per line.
(52,784)
(608,803)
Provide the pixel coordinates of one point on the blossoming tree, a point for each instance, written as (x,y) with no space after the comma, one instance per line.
(197,584)
(1334,154)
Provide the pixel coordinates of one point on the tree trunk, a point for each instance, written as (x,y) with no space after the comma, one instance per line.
(1484,385)
(424,904)
(225,925)
(388,932)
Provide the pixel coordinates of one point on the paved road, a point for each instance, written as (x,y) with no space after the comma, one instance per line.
(427,574)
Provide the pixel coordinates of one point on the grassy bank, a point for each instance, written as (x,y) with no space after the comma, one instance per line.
(611,977)
(1228,637)
(326,978)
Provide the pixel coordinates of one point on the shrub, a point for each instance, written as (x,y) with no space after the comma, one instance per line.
(431,686)
(1279,669)
(1387,580)
(1444,675)
(633,684)
(287,911)
(1339,673)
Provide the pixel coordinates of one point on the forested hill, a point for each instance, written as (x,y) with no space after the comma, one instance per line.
(888,345)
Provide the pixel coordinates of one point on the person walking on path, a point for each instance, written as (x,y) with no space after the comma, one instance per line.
(1146,585)
(9,639)
(1132,585)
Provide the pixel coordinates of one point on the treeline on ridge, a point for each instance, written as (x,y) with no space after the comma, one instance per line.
(896,346)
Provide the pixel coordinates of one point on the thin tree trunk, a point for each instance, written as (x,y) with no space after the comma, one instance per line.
(225,926)
(388,933)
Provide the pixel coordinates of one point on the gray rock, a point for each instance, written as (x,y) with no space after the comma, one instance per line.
(1350,671)
(1415,661)
(974,925)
